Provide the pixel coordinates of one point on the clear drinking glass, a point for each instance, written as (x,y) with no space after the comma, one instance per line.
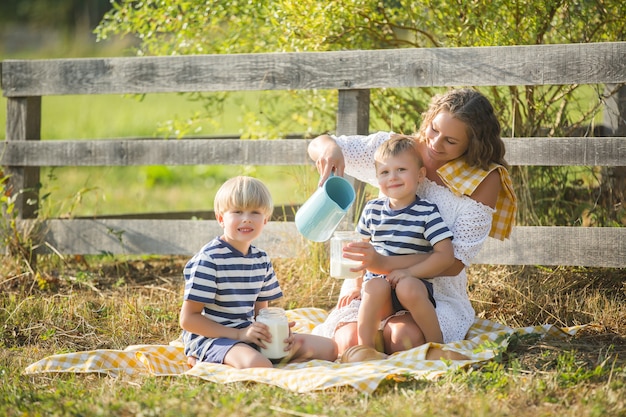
(276,319)
(340,266)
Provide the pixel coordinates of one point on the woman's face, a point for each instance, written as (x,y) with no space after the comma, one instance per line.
(446,138)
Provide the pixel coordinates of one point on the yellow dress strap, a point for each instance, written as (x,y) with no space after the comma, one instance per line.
(463,179)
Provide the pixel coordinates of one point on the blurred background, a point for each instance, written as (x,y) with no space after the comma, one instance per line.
(48,29)
(51,28)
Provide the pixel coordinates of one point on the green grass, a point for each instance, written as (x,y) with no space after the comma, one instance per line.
(87,191)
(93,191)
(99,303)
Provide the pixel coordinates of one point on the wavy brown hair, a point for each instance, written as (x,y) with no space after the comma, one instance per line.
(483,128)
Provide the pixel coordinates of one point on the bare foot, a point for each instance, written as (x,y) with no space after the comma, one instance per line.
(191,361)
(360,353)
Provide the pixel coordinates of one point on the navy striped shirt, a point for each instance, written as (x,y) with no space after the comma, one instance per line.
(412,229)
(229,283)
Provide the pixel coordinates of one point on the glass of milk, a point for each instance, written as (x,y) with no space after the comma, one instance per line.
(340,266)
(276,319)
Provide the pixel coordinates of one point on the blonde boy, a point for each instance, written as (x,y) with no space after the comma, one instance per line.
(397,224)
(229,281)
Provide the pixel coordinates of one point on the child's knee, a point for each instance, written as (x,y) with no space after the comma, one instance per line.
(315,347)
(376,286)
(242,356)
(345,337)
(411,290)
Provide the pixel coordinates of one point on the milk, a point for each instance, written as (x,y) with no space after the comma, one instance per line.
(276,321)
(341,268)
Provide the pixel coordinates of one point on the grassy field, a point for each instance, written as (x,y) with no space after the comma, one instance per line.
(88,191)
(97,303)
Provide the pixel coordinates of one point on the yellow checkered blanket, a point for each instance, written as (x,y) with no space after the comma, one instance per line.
(484,340)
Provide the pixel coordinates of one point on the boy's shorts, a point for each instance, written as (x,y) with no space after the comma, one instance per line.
(218,350)
(397,305)
(220,347)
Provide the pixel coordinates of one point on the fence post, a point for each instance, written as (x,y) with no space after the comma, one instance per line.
(353,118)
(24,123)
(615,121)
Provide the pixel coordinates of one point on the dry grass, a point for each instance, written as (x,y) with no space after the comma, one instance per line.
(101,293)
(95,303)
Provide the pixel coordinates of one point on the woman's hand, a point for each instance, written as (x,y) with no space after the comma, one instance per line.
(346,299)
(328,157)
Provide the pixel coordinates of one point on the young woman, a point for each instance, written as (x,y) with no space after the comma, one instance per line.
(466,177)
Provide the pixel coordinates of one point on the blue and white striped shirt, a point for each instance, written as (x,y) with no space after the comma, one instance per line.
(412,229)
(228,283)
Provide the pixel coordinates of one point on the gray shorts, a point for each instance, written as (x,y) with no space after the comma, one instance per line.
(397,305)
(219,348)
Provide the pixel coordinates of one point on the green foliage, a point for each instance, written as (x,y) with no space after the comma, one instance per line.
(567,196)
(169,27)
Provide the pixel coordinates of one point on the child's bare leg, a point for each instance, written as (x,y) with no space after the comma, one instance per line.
(243,356)
(402,333)
(309,346)
(346,337)
(413,295)
(375,305)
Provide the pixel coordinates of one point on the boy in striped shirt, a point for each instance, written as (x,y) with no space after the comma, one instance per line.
(229,281)
(401,223)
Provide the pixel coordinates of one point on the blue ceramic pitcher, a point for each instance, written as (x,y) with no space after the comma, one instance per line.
(320,215)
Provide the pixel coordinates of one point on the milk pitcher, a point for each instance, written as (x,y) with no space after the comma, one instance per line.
(320,215)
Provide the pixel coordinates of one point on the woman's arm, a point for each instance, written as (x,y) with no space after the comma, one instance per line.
(373,261)
(327,155)
(488,190)
(380,264)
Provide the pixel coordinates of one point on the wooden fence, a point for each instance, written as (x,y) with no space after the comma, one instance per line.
(354,74)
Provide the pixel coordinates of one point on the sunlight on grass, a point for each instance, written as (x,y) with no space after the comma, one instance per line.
(93,191)
(116,116)
(113,116)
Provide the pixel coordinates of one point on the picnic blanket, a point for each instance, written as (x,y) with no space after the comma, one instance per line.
(483,342)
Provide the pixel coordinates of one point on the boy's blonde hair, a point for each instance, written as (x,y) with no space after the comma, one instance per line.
(245,193)
(395,146)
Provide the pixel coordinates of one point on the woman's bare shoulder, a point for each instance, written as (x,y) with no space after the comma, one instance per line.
(488,190)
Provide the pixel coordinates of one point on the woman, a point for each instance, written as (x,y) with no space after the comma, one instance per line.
(466,176)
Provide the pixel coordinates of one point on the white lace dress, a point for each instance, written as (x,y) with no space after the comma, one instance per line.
(469,221)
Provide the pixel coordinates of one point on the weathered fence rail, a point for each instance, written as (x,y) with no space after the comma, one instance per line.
(353,73)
